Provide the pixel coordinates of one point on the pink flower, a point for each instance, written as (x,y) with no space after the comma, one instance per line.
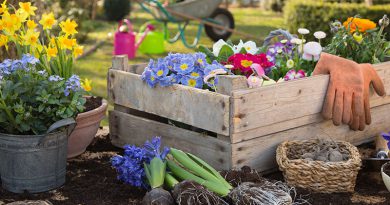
(243,62)
(292,74)
(254,81)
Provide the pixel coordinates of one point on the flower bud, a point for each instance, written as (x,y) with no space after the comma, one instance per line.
(384,21)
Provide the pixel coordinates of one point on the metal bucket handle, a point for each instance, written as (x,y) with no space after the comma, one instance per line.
(62,123)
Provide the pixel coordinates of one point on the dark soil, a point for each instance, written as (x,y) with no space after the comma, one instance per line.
(92,103)
(92,181)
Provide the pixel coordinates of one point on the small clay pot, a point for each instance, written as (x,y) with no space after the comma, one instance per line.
(386,176)
(87,126)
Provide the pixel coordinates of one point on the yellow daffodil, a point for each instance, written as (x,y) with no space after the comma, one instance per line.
(68,27)
(31,24)
(11,22)
(4,7)
(47,20)
(86,84)
(3,41)
(78,51)
(51,52)
(67,43)
(31,38)
(27,8)
(358,37)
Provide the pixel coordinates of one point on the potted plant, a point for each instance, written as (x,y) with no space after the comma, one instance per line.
(56,53)
(35,110)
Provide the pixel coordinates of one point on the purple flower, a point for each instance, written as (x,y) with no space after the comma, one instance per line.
(72,84)
(153,149)
(292,74)
(386,136)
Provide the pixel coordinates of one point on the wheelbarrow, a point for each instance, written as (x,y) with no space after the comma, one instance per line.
(218,22)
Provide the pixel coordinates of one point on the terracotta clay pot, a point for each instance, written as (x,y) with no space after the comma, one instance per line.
(87,126)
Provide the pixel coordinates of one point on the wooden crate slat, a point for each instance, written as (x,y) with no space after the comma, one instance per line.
(129,129)
(200,108)
(259,153)
(270,109)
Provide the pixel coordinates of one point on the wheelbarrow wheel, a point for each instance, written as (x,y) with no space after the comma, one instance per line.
(224,18)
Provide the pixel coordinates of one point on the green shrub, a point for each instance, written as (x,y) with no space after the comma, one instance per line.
(316,16)
(116,10)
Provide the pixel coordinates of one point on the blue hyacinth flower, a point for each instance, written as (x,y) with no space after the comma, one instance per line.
(386,136)
(153,149)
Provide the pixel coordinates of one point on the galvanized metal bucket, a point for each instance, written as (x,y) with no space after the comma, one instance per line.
(35,163)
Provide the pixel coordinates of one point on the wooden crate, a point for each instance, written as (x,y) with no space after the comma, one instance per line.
(235,126)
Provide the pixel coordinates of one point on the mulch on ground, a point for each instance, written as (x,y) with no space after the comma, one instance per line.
(92,181)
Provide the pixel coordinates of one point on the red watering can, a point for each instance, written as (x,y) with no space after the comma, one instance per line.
(124,41)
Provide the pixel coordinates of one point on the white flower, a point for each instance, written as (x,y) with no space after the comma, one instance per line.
(290,63)
(213,74)
(279,50)
(254,81)
(319,35)
(271,50)
(250,47)
(237,48)
(217,47)
(283,41)
(229,66)
(296,41)
(303,31)
(311,51)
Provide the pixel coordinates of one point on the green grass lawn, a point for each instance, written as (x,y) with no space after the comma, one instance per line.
(95,66)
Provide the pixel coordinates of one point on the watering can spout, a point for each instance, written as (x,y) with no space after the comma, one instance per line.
(149,28)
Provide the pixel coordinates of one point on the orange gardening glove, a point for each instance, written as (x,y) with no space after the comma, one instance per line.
(370,77)
(345,88)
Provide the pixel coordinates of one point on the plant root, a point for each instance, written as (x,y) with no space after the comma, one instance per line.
(158,196)
(267,193)
(190,192)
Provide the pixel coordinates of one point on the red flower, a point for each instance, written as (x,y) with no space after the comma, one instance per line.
(242,62)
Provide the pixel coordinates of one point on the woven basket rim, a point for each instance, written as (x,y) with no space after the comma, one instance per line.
(354,157)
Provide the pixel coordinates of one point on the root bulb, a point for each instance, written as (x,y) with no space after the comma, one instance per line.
(190,192)
(158,196)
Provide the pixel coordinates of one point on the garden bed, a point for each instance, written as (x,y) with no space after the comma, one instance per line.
(91,180)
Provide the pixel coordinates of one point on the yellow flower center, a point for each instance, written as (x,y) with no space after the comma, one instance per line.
(183,66)
(192,82)
(152,78)
(248,48)
(246,63)
(160,73)
(200,61)
(195,74)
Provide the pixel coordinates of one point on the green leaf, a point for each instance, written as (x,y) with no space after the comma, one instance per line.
(225,52)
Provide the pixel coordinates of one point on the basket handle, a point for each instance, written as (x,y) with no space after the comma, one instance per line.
(278,32)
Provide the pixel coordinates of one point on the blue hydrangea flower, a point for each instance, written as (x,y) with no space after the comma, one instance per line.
(149,78)
(184,65)
(153,149)
(195,83)
(72,84)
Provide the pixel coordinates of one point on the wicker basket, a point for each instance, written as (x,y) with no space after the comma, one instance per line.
(318,176)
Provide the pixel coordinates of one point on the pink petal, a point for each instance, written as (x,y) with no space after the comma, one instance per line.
(259,70)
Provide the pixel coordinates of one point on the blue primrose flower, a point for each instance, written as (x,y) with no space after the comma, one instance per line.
(149,78)
(171,59)
(159,68)
(185,64)
(153,149)
(197,73)
(200,59)
(192,82)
